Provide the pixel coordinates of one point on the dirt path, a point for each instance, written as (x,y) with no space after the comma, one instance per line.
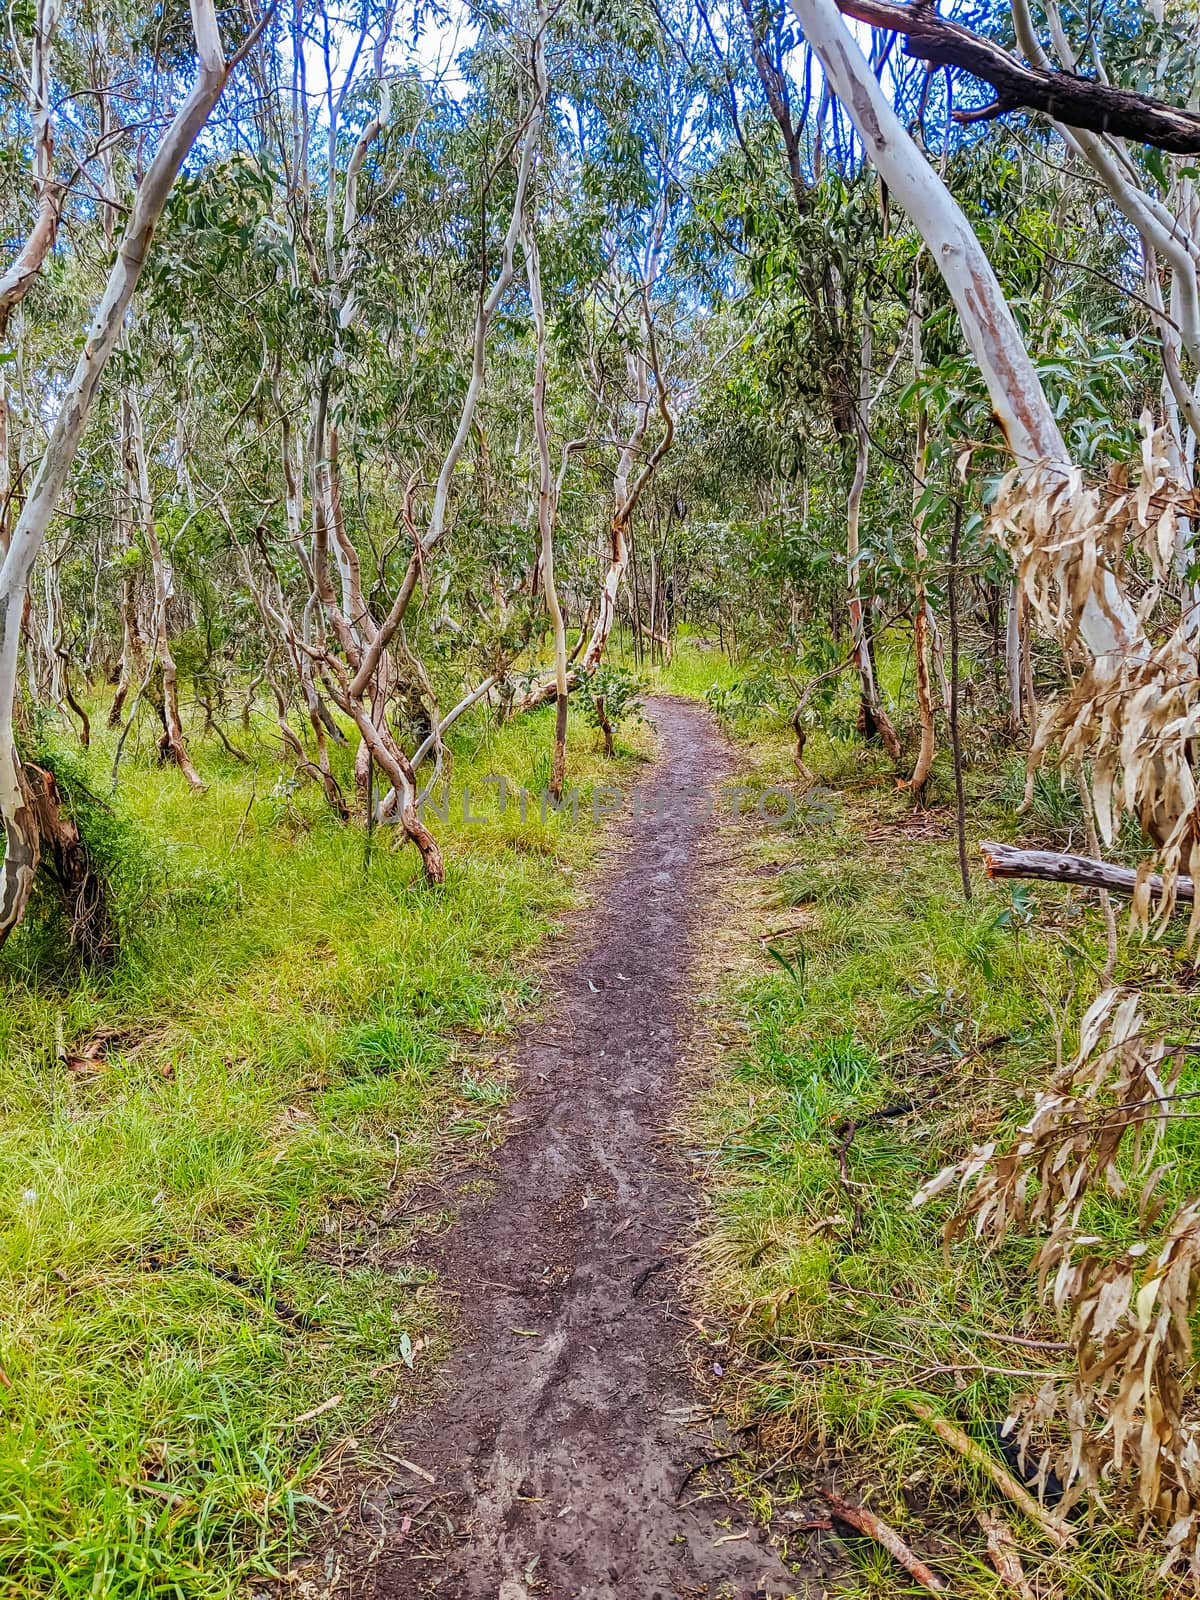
(570,1421)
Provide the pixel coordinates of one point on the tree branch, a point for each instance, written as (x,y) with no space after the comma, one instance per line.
(1007,861)
(1077,102)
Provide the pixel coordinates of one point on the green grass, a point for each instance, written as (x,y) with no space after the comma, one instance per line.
(189,1256)
(827,1297)
(696,665)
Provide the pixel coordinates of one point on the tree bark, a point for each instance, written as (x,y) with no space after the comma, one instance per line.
(1051,866)
(1014,677)
(874,718)
(606,727)
(921,642)
(960,804)
(171,745)
(65,855)
(547,498)
(1108,624)
(15,282)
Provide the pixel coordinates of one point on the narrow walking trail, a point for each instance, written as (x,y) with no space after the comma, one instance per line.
(569,1422)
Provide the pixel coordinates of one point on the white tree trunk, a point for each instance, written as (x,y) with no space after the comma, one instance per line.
(1108,628)
(16,280)
(21,845)
(547,508)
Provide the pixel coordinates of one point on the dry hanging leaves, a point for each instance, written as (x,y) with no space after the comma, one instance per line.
(1124,1421)
(1109,552)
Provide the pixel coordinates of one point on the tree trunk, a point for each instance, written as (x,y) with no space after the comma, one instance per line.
(1109,624)
(1013,675)
(67,430)
(65,855)
(960,804)
(547,509)
(22,843)
(606,727)
(921,641)
(873,718)
(171,745)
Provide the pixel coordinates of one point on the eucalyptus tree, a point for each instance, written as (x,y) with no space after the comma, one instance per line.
(1133,705)
(632,135)
(19,807)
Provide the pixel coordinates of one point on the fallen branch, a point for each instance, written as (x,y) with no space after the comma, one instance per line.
(1006,861)
(1002,1553)
(1008,1486)
(867,1522)
(1078,102)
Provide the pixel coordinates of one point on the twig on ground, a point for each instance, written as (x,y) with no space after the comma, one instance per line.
(701,1466)
(331,1404)
(1008,1486)
(874,1528)
(1002,1553)
(782,933)
(237,838)
(640,1282)
(846,1131)
(1057,1345)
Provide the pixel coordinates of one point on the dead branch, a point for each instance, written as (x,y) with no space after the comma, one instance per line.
(1051,866)
(874,1528)
(1002,1553)
(1008,1486)
(1078,102)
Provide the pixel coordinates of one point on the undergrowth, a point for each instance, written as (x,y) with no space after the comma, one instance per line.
(876,1025)
(202,1296)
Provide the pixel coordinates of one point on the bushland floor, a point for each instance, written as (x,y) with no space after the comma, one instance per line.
(205,1148)
(272,1242)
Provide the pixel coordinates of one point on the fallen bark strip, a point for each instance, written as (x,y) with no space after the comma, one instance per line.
(1002,1553)
(1007,861)
(1008,1486)
(1078,102)
(867,1522)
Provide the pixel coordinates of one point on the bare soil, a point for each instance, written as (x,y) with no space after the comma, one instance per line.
(557,1463)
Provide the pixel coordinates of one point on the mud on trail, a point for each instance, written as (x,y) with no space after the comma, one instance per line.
(569,1422)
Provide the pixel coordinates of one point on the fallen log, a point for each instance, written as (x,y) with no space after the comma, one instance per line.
(1007,861)
(541,694)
